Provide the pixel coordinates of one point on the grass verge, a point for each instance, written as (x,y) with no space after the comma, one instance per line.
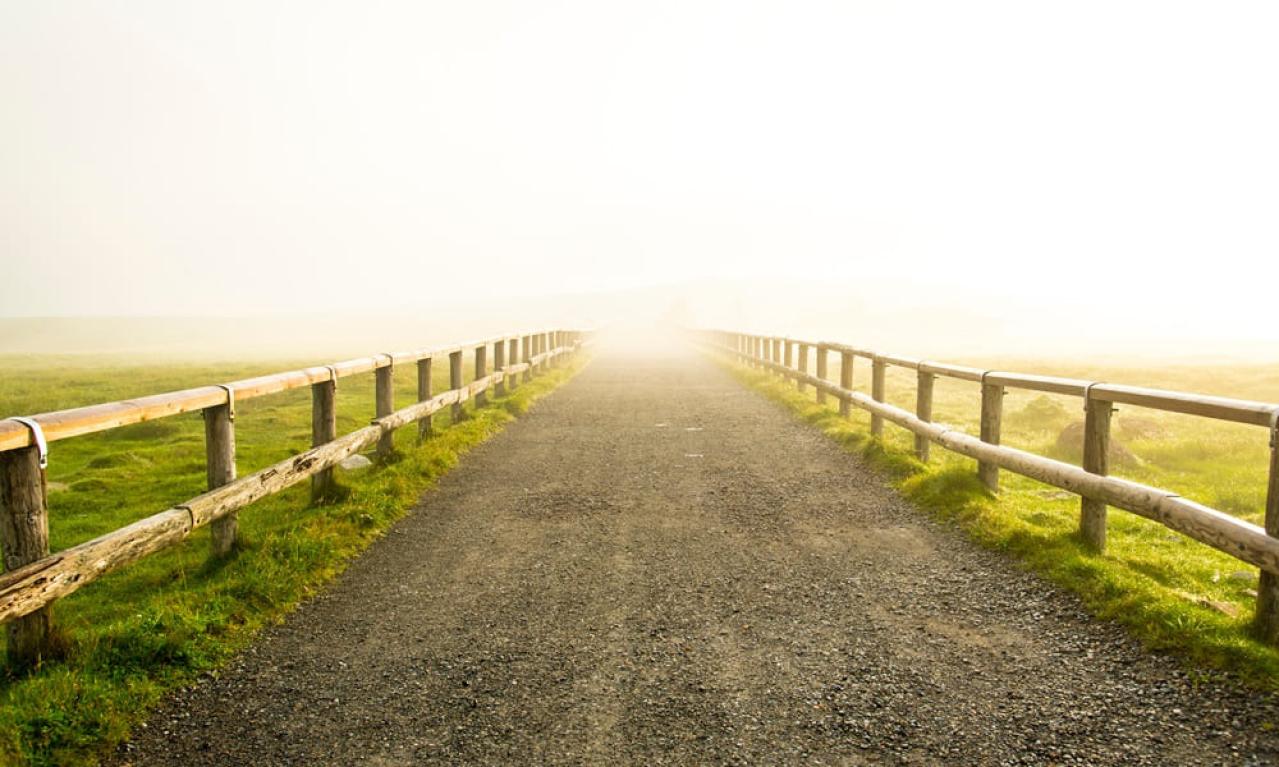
(1168,590)
(162,622)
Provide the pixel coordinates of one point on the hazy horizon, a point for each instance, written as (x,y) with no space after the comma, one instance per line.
(932,178)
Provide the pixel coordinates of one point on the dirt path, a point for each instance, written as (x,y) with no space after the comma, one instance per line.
(657,566)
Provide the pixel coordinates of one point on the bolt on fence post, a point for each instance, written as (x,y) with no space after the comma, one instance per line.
(499,365)
(992,413)
(513,355)
(384,391)
(1267,620)
(845,382)
(803,366)
(219,448)
(924,383)
(526,352)
(481,370)
(424,424)
(821,372)
(878,370)
(455,382)
(324,428)
(24,537)
(1092,512)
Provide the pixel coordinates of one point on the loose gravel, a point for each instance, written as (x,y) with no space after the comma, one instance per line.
(656,566)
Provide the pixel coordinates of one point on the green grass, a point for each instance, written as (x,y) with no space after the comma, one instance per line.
(161,622)
(1155,582)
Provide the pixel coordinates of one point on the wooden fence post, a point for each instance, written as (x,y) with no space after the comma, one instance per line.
(803,365)
(992,415)
(821,372)
(499,365)
(1092,512)
(845,382)
(777,353)
(924,383)
(788,353)
(455,381)
(527,353)
(878,369)
(481,370)
(424,425)
(324,428)
(384,391)
(219,464)
(24,535)
(1267,620)
(513,355)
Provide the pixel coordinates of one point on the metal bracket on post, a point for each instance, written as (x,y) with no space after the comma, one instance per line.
(333,376)
(37,434)
(1274,429)
(1088,397)
(390,359)
(230,400)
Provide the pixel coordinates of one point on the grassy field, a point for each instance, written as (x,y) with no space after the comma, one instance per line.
(1175,594)
(163,621)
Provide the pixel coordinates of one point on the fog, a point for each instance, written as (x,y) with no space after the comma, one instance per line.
(942,179)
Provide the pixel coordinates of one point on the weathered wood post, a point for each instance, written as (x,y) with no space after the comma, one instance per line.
(424,424)
(499,366)
(878,370)
(821,372)
(24,536)
(924,384)
(845,382)
(219,465)
(1092,512)
(1267,620)
(788,354)
(455,381)
(513,358)
(481,370)
(384,392)
(525,355)
(992,415)
(803,366)
(324,428)
(777,354)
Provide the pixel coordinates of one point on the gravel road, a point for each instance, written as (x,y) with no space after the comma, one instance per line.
(657,566)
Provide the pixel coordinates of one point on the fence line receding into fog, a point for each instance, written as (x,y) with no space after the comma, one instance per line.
(1243,540)
(33,578)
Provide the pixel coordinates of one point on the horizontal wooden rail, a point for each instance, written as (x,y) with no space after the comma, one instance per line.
(1243,540)
(27,588)
(74,422)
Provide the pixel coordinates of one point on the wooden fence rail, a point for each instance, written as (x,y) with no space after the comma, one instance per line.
(33,578)
(1254,544)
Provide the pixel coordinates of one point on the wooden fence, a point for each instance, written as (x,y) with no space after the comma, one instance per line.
(1245,541)
(33,578)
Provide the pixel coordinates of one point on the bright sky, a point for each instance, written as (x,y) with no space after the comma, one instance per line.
(1097,167)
